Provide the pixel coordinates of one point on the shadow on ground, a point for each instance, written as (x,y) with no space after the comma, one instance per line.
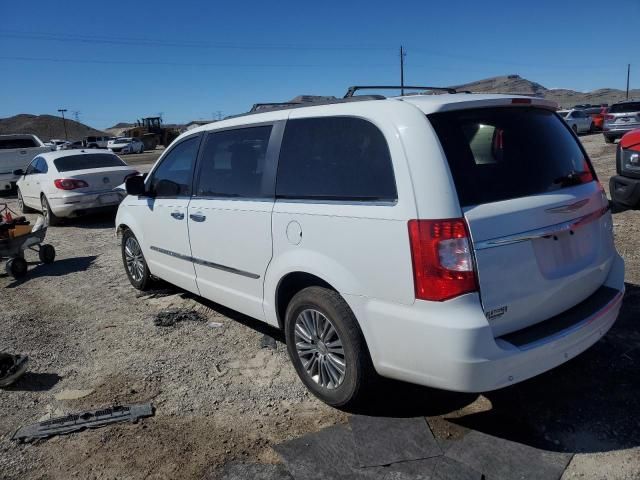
(56,269)
(35,382)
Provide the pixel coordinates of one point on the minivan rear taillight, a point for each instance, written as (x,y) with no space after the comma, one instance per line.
(442,262)
(69,183)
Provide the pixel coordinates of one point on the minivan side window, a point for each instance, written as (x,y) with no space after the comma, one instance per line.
(172,178)
(335,158)
(233,164)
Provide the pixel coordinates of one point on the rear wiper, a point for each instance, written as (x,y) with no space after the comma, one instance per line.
(571,178)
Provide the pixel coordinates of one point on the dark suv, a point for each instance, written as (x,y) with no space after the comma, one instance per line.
(621,118)
(625,187)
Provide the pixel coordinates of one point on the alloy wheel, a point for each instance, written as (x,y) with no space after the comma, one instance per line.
(320,349)
(134,259)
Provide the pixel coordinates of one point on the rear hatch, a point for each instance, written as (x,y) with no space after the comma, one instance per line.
(538,219)
(623,115)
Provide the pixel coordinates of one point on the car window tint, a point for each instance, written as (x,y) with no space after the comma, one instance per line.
(627,107)
(335,158)
(7,144)
(176,169)
(41,165)
(501,153)
(232,163)
(87,161)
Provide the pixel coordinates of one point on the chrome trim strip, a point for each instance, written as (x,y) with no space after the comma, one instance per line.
(206,263)
(568,331)
(541,232)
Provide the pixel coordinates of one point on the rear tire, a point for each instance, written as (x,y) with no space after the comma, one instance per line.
(21,206)
(339,372)
(47,253)
(16,267)
(134,262)
(609,139)
(49,217)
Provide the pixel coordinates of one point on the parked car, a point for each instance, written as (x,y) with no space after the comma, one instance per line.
(597,116)
(58,144)
(96,142)
(76,145)
(126,145)
(71,183)
(460,241)
(621,118)
(625,186)
(16,151)
(578,120)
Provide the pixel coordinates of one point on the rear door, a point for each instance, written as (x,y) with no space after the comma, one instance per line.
(537,216)
(230,215)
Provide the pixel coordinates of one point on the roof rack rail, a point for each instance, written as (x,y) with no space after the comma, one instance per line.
(355,88)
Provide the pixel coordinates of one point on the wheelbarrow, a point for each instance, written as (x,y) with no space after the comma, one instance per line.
(13,250)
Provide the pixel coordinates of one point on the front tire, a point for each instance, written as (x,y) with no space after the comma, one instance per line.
(47,253)
(21,206)
(49,217)
(17,267)
(134,262)
(327,348)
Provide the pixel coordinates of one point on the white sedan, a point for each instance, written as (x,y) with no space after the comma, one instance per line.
(69,183)
(125,145)
(579,121)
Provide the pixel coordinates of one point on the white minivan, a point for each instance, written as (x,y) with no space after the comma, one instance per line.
(459,241)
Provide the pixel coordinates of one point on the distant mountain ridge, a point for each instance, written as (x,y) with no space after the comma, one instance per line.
(46,127)
(564,97)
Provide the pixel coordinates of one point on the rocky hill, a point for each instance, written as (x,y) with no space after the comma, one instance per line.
(564,97)
(46,127)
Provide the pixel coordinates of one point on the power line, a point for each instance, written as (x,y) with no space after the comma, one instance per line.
(76,115)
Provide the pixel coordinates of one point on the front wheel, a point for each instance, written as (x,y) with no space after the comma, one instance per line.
(21,206)
(134,263)
(327,348)
(47,253)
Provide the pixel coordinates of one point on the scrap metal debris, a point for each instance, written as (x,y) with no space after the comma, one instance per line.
(80,421)
(12,367)
(171,316)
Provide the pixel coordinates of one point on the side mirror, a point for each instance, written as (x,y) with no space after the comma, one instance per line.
(135,185)
(18,173)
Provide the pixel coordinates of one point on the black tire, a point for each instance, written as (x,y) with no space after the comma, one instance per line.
(16,267)
(47,253)
(21,206)
(609,139)
(140,278)
(49,217)
(359,374)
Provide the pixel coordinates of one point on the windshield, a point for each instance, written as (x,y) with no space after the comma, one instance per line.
(625,107)
(122,140)
(86,162)
(501,153)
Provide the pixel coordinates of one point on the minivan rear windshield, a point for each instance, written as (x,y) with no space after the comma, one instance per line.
(85,162)
(17,143)
(501,153)
(625,107)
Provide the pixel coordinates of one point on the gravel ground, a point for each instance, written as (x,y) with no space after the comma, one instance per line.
(220,397)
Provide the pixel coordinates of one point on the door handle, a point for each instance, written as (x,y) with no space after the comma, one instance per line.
(197,217)
(177,215)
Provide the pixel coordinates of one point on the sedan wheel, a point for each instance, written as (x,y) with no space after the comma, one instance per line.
(49,217)
(21,206)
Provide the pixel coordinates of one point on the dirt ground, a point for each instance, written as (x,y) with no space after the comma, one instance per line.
(220,397)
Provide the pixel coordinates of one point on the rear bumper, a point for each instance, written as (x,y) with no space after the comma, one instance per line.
(625,190)
(451,345)
(82,204)
(618,130)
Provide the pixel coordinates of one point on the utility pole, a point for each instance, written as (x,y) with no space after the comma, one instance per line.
(402,55)
(628,72)
(64,122)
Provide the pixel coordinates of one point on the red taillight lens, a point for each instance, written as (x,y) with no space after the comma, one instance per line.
(69,183)
(442,262)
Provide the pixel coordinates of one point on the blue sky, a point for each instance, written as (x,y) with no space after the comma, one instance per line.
(121,61)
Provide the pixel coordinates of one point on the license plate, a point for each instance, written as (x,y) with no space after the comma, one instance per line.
(109,198)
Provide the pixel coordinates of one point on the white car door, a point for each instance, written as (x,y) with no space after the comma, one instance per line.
(162,215)
(30,187)
(230,215)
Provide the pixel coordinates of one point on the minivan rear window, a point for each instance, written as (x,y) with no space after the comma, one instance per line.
(85,162)
(626,107)
(502,153)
